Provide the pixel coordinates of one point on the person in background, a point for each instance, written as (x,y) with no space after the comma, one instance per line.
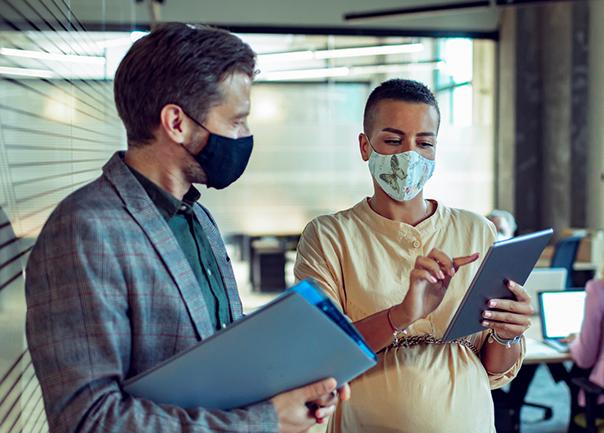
(130,269)
(398,265)
(504,222)
(587,348)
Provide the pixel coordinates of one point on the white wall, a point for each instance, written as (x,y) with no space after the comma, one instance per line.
(306,161)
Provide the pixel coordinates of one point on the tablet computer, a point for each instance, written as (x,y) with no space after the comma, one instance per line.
(512,259)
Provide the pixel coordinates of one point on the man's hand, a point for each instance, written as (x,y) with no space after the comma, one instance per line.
(341,394)
(301,408)
(512,317)
(429,281)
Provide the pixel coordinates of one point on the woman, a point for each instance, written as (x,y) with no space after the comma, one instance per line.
(387,262)
(587,349)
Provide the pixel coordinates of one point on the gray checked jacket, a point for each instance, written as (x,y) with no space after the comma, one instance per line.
(110,294)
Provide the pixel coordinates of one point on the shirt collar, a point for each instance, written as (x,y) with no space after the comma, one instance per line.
(426,227)
(166,203)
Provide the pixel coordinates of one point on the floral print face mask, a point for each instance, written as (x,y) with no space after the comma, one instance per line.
(403,175)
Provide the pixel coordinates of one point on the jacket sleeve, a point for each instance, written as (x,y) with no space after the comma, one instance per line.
(79,336)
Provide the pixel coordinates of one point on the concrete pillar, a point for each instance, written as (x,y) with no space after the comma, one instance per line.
(579,133)
(595,166)
(554,78)
(543,145)
(528,168)
(506,120)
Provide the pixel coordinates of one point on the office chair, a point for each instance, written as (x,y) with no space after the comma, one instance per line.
(558,373)
(584,419)
(565,254)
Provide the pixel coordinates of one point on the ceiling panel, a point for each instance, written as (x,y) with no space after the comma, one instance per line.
(314,14)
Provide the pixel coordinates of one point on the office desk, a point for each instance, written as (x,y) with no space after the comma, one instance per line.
(538,352)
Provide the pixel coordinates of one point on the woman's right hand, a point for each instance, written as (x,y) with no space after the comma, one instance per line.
(429,281)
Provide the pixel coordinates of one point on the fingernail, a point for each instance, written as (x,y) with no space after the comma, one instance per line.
(492,303)
(433,280)
(487,314)
(485,323)
(441,275)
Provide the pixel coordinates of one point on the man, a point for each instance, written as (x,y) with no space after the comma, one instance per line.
(387,263)
(504,222)
(130,270)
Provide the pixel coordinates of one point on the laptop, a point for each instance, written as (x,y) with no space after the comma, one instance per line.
(561,314)
(544,279)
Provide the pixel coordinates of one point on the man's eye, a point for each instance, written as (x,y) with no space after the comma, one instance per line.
(426,144)
(392,141)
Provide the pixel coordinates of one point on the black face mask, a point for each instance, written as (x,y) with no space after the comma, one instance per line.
(223,159)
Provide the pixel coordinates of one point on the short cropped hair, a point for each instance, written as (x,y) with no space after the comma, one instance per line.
(176,64)
(397,90)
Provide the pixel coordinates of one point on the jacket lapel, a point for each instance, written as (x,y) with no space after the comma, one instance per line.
(144,212)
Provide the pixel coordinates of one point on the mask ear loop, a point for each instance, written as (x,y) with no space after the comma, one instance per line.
(370,145)
(197,123)
(195,120)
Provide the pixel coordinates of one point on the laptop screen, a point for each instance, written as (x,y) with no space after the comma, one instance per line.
(561,313)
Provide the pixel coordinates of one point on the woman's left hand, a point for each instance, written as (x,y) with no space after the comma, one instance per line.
(512,317)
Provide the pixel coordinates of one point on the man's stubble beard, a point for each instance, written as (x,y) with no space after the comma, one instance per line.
(193,171)
(195,174)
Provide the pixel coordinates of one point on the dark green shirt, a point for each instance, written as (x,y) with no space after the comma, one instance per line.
(195,245)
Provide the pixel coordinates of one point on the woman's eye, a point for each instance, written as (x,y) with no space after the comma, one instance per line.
(426,144)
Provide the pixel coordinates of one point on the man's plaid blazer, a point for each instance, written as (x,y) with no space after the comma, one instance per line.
(110,294)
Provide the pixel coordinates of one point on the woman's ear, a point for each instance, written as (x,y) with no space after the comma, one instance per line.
(364,146)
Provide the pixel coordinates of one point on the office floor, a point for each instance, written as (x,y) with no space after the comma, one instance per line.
(545,391)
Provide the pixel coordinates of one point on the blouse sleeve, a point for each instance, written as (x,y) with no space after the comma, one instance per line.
(586,347)
(497,380)
(318,260)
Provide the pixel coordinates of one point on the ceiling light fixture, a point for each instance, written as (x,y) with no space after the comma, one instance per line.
(40,55)
(23,72)
(303,74)
(340,53)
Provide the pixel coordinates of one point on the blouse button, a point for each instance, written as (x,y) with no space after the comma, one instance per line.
(416,244)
